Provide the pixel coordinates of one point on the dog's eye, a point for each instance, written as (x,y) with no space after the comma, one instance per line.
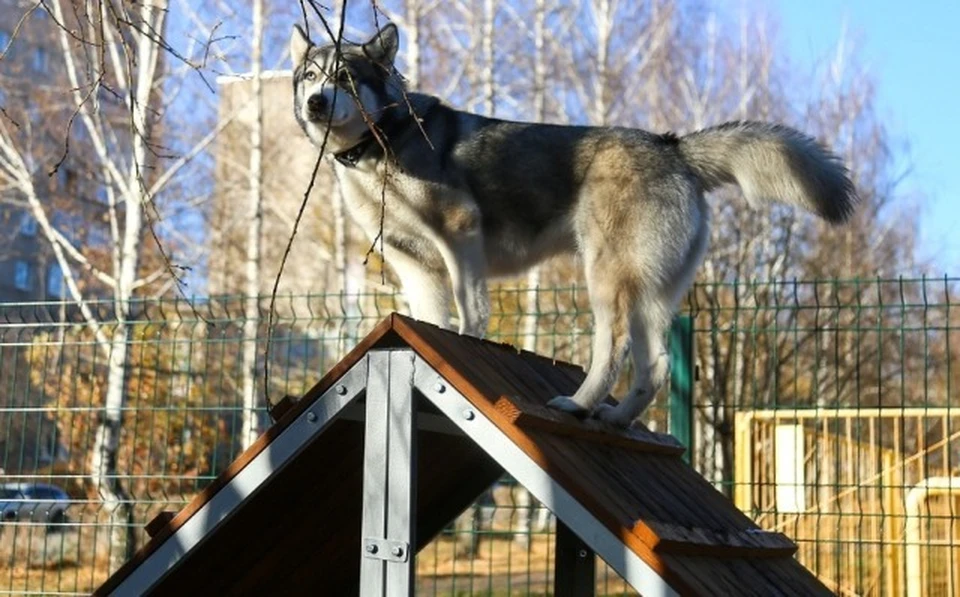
(310,75)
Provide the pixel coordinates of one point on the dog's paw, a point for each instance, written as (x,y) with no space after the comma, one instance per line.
(608,414)
(567,405)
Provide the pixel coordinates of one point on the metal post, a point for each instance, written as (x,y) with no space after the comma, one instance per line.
(575,571)
(681,382)
(389,477)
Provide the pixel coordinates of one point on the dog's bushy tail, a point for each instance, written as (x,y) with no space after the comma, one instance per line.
(771,162)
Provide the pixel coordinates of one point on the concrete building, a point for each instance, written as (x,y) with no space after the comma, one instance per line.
(319,262)
(32,88)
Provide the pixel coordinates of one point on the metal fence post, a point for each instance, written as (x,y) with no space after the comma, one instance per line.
(681,382)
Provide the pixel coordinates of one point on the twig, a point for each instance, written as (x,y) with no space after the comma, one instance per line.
(306,195)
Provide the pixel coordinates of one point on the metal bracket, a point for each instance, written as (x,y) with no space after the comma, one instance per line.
(386,549)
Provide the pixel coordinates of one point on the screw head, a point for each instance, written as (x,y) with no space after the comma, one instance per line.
(582,553)
(397,551)
(440,388)
(312,417)
(371,548)
(468,414)
(341,389)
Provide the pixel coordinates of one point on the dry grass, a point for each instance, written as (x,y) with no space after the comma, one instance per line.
(35,560)
(502,567)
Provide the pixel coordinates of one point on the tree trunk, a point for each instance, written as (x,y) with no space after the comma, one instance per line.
(412,12)
(486,45)
(249,425)
(603,14)
(103,459)
(531,315)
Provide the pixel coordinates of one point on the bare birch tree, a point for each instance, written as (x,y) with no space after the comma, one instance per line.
(251,321)
(528,330)
(105,123)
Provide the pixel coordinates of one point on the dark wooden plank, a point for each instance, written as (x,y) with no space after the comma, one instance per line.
(669,479)
(315,503)
(724,544)
(704,497)
(530,385)
(159,521)
(583,479)
(554,372)
(633,480)
(447,353)
(563,424)
(287,513)
(697,585)
(280,408)
(305,527)
(792,577)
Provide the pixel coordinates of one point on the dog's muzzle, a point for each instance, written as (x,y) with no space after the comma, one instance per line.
(317,106)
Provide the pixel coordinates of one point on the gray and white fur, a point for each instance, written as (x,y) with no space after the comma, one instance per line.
(469,197)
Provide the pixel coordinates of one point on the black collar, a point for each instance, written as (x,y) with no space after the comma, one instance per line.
(388,126)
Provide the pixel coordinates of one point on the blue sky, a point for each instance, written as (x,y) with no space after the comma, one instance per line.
(913,51)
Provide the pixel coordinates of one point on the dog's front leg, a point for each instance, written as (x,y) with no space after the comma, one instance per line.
(467,266)
(424,289)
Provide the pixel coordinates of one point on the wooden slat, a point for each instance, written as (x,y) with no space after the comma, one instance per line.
(158,522)
(565,425)
(702,496)
(280,408)
(723,544)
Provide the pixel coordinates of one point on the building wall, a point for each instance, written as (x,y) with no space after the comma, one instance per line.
(289,160)
(32,87)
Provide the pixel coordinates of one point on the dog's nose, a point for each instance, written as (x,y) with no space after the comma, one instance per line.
(317,103)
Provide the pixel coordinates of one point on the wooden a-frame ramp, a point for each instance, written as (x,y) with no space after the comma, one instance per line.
(403,435)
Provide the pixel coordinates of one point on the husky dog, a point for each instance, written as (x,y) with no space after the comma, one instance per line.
(461,197)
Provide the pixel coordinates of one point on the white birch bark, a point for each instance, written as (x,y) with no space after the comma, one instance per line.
(249,422)
(530,316)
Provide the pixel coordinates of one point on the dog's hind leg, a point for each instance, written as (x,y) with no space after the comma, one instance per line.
(648,327)
(611,298)
(651,363)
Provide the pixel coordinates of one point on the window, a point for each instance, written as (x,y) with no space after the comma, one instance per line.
(98,236)
(70,225)
(40,59)
(55,281)
(28,225)
(21,275)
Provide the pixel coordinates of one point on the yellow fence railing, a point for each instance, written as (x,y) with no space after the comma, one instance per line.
(838,482)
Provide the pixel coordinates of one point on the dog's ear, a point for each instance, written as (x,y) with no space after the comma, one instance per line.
(382,47)
(299,44)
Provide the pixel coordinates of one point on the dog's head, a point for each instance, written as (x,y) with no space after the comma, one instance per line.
(345,94)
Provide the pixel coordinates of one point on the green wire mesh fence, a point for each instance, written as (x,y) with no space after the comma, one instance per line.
(825,409)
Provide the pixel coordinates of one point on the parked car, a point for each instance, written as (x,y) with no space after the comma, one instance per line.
(35,502)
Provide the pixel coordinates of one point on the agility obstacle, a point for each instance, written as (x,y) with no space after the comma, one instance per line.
(356,476)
